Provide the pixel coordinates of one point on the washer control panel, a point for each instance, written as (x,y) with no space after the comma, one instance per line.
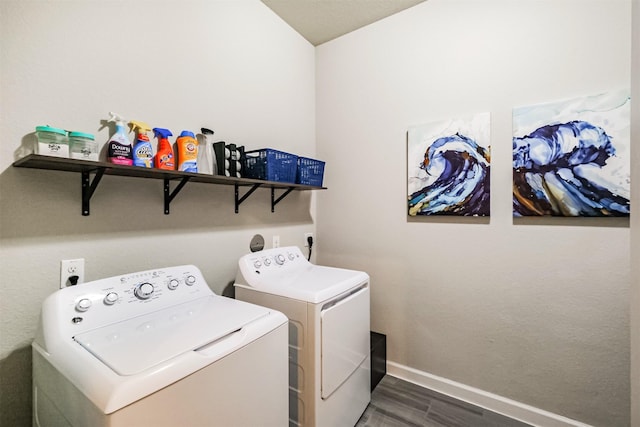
(105,301)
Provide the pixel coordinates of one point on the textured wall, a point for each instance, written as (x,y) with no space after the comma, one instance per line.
(535,310)
(232,66)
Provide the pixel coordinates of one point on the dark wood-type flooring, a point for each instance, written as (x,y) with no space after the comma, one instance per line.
(398,403)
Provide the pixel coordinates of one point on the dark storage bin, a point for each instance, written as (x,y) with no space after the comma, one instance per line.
(378,358)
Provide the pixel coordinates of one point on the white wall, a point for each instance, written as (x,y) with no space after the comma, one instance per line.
(231,65)
(635,219)
(535,310)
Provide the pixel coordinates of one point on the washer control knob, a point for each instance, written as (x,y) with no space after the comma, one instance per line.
(110,298)
(267,262)
(144,290)
(257,264)
(173,284)
(280,259)
(190,280)
(291,256)
(83,305)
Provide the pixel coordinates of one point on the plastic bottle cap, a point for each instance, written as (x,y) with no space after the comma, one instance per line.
(187,133)
(81,135)
(50,129)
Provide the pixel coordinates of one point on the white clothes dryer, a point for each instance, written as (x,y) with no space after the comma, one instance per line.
(329,351)
(158,348)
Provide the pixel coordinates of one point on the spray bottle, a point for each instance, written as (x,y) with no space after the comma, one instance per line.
(206,155)
(164,156)
(119,149)
(142,149)
(187,147)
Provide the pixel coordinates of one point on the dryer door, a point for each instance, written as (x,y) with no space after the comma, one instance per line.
(344,325)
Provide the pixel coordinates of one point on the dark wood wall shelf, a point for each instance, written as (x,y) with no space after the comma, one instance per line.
(99,169)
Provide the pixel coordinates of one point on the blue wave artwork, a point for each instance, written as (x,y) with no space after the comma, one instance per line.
(449,165)
(575,164)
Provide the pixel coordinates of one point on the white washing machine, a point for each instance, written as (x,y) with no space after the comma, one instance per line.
(158,348)
(329,351)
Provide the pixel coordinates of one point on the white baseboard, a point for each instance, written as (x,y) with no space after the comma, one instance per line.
(493,402)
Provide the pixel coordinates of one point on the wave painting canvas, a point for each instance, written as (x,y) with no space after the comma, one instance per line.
(448,165)
(572,158)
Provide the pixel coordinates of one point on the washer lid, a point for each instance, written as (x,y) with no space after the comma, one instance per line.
(134,345)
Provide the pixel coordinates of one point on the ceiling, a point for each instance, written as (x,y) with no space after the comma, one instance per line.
(319,21)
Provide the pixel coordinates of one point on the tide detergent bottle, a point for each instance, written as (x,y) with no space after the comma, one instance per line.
(164,157)
(142,149)
(187,145)
(119,149)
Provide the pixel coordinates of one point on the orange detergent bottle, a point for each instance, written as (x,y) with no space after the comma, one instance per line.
(187,145)
(164,156)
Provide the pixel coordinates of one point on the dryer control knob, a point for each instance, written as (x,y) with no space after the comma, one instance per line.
(173,284)
(267,262)
(280,259)
(257,264)
(291,256)
(84,304)
(144,290)
(190,280)
(110,298)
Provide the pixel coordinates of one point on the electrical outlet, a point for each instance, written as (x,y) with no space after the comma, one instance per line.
(71,272)
(306,239)
(276,241)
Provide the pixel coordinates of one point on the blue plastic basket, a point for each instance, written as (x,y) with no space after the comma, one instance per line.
(310,172)
(270,165)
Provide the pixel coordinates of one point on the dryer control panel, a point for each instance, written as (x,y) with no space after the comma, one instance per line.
(287,273)
(102,302)
(281,259)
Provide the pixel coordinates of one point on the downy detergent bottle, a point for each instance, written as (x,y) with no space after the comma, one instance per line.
(187,145)
(164,156)
(119,149)
(142,149)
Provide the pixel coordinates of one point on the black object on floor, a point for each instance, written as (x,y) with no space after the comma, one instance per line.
(378,358)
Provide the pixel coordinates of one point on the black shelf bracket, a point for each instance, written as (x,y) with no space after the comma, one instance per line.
(275,201)
(88,188)
(239,199)
(169,195)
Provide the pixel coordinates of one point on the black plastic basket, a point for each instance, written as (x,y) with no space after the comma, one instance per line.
(310,172)
(270,165)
